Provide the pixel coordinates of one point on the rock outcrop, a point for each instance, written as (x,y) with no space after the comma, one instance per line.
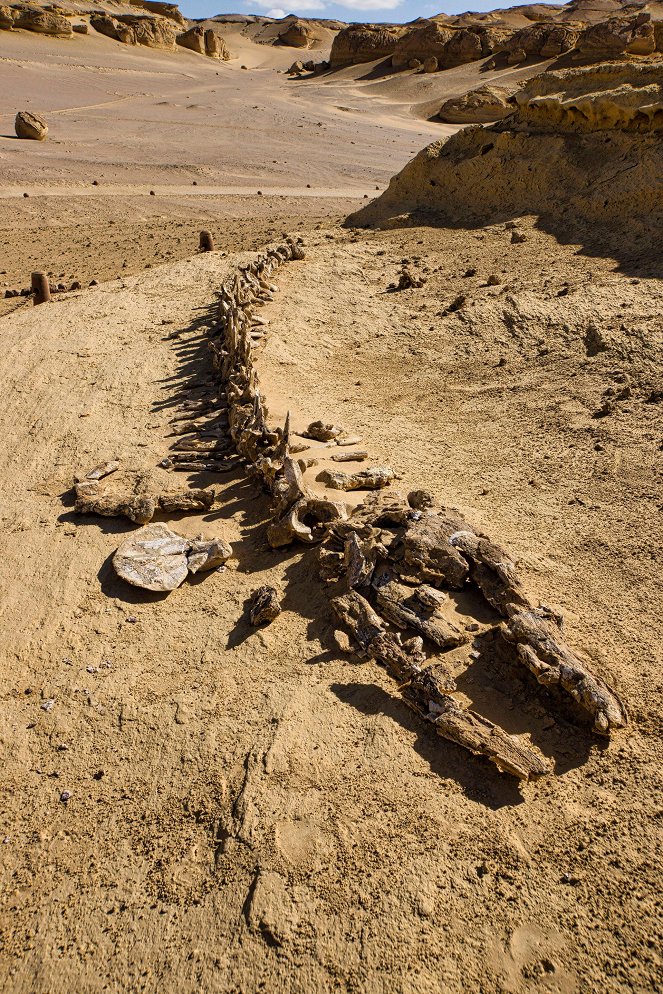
(205,42)
(582,150)
(193,39)
(32,126)
(131,29)
(6,19)
(617,36)
(38,20)
(422,42)
(169,10)
(215,46)
(363,43)
(541,41)
(297,34)
(451,46)
(480,106)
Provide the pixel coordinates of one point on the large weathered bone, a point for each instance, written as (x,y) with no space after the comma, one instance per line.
(424,690)
(429,554)
(156,558)
(492,570)
(401,607)
(364,479)
(187,500)
(138,508)
(539,645)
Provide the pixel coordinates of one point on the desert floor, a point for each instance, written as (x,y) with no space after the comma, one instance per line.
(256,810)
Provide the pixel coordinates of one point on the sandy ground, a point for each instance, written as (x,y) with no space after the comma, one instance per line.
(254,810)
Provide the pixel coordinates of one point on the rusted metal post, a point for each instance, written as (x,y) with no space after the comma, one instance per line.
(206,242)
(40,288)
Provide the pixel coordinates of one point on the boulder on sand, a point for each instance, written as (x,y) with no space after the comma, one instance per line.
(193,39)
(28,125)
(205,42)
(215,46)
(486,103)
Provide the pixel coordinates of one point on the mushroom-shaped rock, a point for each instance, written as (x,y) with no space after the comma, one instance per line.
(156,558)
(28,125)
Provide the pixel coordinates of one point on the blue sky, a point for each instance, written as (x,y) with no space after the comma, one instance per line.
(352,10)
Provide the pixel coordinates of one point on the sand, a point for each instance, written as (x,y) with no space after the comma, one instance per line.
(257,810)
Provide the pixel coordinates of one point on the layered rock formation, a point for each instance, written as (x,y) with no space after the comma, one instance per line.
(426,41)
(169,10)
(592,135)
(617,96)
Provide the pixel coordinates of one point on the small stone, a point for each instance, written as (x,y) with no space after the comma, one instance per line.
(493,281)
(47,705)
(473,627)
(517,237)
(265,606)
(65,796)
(321,431)
(152,193)
(166,463)
(420,499)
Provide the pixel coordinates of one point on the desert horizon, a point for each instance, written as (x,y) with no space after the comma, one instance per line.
(330,608)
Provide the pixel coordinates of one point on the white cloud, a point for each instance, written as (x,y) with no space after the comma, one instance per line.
(294,9)
(370,4)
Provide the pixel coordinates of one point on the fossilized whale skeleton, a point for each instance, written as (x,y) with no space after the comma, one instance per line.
(387,561)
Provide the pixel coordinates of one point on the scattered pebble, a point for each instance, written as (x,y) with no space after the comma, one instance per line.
(47,705)
(65,796)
